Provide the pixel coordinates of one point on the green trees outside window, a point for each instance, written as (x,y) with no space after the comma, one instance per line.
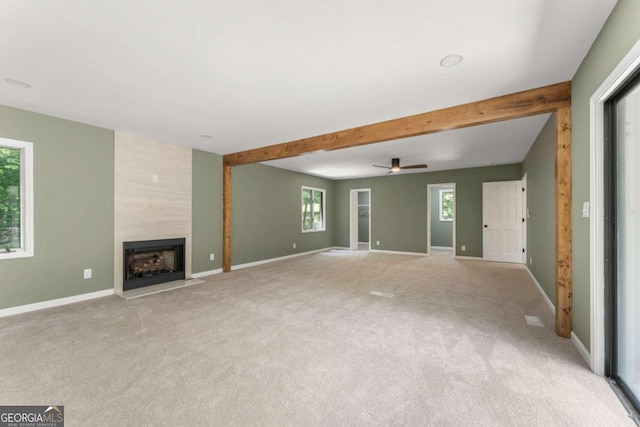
(313,209)
(446,205)
(10,193)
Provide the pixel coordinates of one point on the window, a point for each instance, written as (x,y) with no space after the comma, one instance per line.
(16,198)
(313,209)
(446,205)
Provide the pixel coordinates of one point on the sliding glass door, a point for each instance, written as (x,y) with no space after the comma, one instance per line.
(623,236)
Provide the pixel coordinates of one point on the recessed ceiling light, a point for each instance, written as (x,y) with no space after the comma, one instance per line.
(18,83)
(451,60)
(206,136)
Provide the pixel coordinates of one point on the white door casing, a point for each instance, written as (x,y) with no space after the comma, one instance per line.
(502,221)
(353,220)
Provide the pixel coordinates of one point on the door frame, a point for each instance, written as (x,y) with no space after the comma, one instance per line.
(439,186)
(353,218)
(629,64)
(525,219)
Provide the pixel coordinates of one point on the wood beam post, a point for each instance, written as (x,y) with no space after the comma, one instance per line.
(564,271)
(226,218)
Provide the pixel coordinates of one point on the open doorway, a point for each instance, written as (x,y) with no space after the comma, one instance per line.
(360,219)
(441,219)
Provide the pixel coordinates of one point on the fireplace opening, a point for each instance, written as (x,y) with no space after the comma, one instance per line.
(152,262)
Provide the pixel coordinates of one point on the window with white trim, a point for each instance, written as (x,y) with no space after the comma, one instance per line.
(446,205)
(16,198)
(313,209)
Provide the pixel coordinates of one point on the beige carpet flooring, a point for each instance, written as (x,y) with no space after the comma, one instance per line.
(303,343)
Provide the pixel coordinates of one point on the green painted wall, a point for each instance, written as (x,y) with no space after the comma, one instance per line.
(441,231)
(617,37)
(399,207)
(73,219)
(207,211)
(266,211)
(539,165)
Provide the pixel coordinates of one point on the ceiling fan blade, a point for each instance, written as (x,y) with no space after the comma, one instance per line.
(378,166)
(414,167)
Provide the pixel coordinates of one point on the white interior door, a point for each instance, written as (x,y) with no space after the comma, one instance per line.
(502,221)
(353,220)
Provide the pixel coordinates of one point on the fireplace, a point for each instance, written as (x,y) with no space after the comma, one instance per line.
(152,262)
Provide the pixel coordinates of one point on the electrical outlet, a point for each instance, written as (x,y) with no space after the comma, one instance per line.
(155,179)
(463,248)
(87,273)
(294,246)
(212,257)
(530,260)
(377,242)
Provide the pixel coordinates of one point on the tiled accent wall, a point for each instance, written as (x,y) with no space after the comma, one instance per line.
(152,195)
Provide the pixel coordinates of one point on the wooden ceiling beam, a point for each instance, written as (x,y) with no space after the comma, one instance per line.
(542,100)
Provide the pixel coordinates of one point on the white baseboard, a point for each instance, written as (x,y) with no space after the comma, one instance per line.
(581,348)
(472,258)
(574,338)
(550,304)
(282,258)
(398,252)
(445,248)
(206,273)
(11,311)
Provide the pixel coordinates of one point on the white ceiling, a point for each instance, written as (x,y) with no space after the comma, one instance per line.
(252,73)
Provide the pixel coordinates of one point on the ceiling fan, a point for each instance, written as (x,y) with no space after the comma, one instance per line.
(395,166)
